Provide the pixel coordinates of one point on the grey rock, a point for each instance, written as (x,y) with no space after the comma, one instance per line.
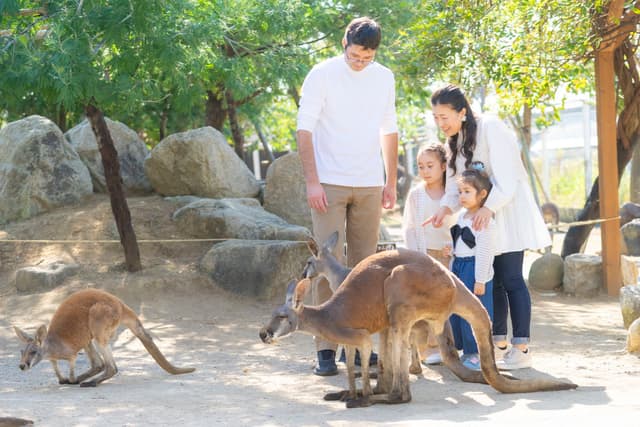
(44,277)
(285,192)
(546,272)
(132,152)
(630,304)
(256,268)
(201,163)
(235,219)
(631,236)
(582,275)
(633,337)
(39,169)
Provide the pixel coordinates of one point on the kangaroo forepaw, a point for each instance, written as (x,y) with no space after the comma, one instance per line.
(91,383)
(395,398)
(415,370)
(339,395)
(361,402)
(64,381)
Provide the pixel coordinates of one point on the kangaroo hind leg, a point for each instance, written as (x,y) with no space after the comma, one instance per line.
(110,368)
(97,364)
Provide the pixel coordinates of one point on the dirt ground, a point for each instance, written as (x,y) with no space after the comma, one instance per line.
(241,381)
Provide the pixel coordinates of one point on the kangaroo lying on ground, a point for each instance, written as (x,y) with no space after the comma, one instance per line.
(387,293)
(87,319)
(323,263)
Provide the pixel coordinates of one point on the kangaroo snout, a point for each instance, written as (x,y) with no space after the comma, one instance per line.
(23,367)
(266,335)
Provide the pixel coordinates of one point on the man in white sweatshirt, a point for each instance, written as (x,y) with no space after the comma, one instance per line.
(348,142)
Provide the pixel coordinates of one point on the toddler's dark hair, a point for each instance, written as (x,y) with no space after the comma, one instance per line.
(478,179)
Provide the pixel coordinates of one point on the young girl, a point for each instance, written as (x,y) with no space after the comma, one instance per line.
(422,202)
(473,253)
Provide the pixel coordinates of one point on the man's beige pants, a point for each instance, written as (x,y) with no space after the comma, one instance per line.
(355,213)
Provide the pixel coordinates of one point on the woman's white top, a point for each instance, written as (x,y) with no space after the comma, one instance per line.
(518,219)
(347,112)
(418,207)
(484,251)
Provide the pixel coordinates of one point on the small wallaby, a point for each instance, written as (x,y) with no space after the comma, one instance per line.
(87,319)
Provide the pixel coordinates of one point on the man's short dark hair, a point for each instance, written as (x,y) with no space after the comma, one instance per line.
(364,32)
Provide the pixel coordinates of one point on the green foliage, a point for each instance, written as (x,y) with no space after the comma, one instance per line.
(525,50)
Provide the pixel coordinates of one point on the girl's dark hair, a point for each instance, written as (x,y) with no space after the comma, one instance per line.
(438,149)
(364,32)
(453,96)
(478,179)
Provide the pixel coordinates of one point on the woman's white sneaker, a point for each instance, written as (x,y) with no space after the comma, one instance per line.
(515,358)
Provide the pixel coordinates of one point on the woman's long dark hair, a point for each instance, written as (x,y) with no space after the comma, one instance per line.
(453,96)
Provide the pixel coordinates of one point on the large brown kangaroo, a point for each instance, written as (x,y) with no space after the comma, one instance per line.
(387,293)
(87,319)
(323,263)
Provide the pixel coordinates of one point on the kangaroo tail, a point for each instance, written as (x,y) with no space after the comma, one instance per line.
(133,323)
(471,309)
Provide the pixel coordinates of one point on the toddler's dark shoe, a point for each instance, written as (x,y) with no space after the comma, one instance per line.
(326,363)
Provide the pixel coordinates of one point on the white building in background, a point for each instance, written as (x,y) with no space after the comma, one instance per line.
(574,136)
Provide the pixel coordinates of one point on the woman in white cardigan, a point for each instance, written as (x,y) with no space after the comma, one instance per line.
(520,225)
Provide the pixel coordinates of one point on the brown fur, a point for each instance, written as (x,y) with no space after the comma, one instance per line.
(322,262)
(387,293)
(88,319)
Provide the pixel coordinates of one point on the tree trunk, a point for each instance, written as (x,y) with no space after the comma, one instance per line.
(62,118)
(628,134)
(215,113)
(263,140)
(236,130)
(114,185)
(634,177)
(294,95)
(164,119)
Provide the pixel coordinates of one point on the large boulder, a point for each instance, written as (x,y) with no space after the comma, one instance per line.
(631,237)
(582,275)
(44,277)
(630,304)
(201,163)
(628,212)
(235,219)
(633,337)
(546,272)
(630,266)
(131,154)
(39,169)
(256,268)
(285,192)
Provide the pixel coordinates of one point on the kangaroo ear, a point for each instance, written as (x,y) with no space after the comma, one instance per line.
(41,333)
(331,242)
(291,289)
(300,292)
(313,247)
(24,337)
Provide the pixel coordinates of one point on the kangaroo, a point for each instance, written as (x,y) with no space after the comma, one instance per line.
(322,262)
(87,319)
(387,293)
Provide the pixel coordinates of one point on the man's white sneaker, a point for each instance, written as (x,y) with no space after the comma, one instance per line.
(515,358)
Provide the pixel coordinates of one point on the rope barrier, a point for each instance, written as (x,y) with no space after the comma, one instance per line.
(549,226)
(118,241)
(578,223)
